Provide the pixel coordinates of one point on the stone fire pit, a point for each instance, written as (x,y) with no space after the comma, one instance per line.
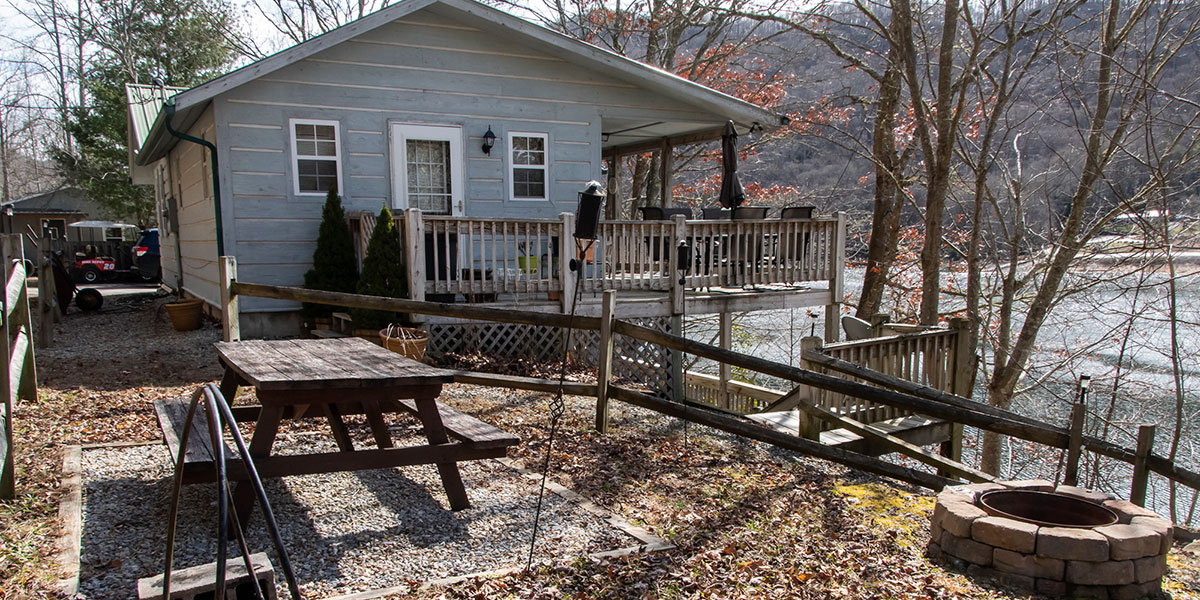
(1050,543)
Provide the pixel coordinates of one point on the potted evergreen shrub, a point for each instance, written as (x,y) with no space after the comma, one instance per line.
(383,274)
(335,268)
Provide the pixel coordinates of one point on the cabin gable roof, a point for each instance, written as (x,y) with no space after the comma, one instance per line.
(188,105)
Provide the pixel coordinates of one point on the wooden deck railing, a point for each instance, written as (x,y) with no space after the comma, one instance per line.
(19,379)
(929,358)
(474,255)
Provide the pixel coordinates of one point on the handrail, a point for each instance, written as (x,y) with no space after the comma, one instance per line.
(966,411)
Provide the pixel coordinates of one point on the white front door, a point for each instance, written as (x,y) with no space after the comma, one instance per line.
(427,168)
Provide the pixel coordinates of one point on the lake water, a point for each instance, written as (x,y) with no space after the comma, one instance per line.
(1083,335)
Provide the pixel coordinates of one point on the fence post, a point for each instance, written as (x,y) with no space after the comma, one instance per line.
(414,233)
(7,464)
(810,427)
(608,309)
(726,372)
(1074,444)
(231,328)
(569,278)
(27,389)
(47,297)
(1141,475)
(833,310)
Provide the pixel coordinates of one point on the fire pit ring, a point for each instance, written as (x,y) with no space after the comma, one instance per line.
(1045,508)
(1059,542)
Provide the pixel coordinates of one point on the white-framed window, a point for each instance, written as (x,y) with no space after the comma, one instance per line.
(527,162)
(316,156)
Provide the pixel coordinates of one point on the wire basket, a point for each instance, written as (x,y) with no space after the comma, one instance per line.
(407,341)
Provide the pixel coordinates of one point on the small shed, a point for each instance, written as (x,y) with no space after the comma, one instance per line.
(48,214)
(394,109)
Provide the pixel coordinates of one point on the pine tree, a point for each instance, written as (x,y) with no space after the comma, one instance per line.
(335,268)
(383,273)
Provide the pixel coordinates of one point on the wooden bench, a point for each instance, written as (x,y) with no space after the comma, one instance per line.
(468,429)
(172,416)
(327,334)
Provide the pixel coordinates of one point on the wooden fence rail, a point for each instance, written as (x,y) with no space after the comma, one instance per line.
(20,378)
(960,410)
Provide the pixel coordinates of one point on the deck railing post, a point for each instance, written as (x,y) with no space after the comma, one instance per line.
(608,309)
(962,379)
(231,327)
(567,278)
(837,281)
(677,275)
(46,295)
(810,427)
(1141,475)
(414,235)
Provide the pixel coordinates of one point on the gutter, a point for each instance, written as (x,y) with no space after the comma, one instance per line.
(169,113)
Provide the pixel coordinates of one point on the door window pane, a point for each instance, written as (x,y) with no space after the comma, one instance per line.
(428,169)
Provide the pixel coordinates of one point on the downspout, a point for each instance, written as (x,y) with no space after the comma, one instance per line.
(169,107)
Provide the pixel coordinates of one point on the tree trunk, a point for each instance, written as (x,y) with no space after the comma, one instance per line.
(885,223)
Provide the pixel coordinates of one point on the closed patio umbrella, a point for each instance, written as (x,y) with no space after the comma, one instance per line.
(731,189)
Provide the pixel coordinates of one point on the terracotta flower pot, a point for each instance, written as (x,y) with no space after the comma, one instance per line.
(186,315)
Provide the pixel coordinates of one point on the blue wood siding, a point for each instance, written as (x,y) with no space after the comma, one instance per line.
(423,69)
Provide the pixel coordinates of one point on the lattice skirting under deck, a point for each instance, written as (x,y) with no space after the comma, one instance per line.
(634,361)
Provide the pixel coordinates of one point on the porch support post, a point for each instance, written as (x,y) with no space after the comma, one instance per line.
(611,207)
(666,168)
(566,276)
(833,310)
(726,372)
(608,309)
(414,234)
(231,329)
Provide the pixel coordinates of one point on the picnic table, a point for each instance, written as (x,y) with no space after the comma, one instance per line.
(331,378)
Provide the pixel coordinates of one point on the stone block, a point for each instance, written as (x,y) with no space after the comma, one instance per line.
(1127,510)
(967,549)
(1126,542)
(1088,592)
(966,493)
(1008,580)
(935,529)
(1070,543)
(1083,494)
(1110,572)
(1151,568)
(1009,534)
(1037,485)
(1160,525)
(1051,587)
(958,517)
(1027,564)
(1135,591)
(933,551)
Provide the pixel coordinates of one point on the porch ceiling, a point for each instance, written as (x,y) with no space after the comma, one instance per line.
(629,134)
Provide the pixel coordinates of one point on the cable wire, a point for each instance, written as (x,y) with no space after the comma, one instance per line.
(557,406)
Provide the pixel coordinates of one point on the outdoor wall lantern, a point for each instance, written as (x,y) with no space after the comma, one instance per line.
(489,140)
